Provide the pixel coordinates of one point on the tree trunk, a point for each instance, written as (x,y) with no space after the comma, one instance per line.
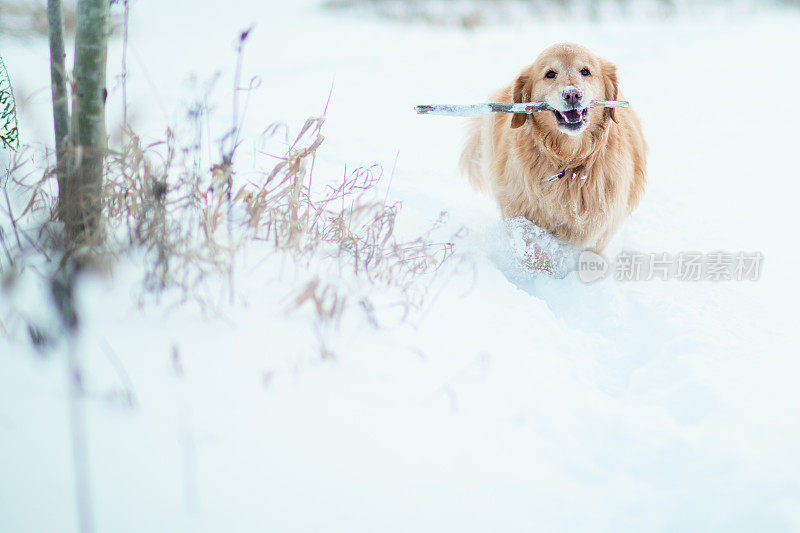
(84,188)
(58,80)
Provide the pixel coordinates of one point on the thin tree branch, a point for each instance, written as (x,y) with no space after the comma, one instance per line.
(58,79)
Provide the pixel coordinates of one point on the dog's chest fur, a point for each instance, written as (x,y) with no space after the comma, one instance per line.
(578,207)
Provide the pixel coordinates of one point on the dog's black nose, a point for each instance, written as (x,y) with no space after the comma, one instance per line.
(572,95)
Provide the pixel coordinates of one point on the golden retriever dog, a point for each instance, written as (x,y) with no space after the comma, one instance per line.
(577,171)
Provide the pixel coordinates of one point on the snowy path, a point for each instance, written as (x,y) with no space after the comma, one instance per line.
(545,405)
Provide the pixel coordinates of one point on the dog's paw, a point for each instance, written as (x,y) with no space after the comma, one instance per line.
(536,251)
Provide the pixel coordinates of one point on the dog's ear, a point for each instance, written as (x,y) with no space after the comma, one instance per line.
(611,86)
(521,94)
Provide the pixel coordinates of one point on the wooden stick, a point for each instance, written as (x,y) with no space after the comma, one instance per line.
(494,107)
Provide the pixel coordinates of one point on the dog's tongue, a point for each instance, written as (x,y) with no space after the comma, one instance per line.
(572,116)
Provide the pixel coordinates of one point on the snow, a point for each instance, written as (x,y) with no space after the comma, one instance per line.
(509,402)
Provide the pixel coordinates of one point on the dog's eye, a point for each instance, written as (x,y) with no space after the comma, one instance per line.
(550,74)
(585,72)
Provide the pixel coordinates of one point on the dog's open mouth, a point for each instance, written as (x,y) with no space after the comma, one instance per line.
(572,119)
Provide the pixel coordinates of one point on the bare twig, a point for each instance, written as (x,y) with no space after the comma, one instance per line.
(11,217)
(496,107)
(124,72)
(58,76)
(119,368)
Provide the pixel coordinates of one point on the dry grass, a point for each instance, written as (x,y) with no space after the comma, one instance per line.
(192,224)
(193,221)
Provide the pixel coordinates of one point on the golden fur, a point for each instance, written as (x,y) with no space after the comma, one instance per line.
(514,155)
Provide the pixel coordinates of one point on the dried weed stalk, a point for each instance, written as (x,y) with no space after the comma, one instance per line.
(190,226)
(193,224)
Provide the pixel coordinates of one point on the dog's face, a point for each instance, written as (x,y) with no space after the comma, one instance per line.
(568,77)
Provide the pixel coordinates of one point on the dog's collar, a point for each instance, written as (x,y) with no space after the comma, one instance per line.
(563,173)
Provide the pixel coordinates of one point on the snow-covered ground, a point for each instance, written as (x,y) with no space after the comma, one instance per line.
(507,404)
